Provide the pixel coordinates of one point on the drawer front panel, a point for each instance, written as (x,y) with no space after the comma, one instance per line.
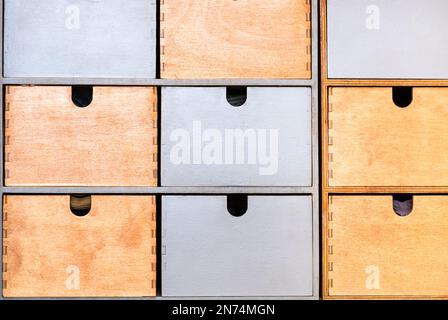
(208,142)
(235,39)
(51,252)
(50,141)
(209,252)
(80,38)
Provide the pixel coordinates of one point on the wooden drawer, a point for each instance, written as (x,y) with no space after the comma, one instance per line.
(387,39)
(235,39)
(51,252)
(51,141)
(373,142)
(266,141)
(79,38)
(371,252)
(236,246)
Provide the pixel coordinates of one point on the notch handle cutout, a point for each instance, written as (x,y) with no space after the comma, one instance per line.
(236,96)
(403,204)
(402,96)
(237,204)
(80,205)
(82,96)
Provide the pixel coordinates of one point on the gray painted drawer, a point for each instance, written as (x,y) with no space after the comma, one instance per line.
(387,39)
(209,252)
(80,38)
(208,142)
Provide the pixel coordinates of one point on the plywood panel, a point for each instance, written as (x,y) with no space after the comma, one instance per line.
(372,142)
(49,141)
(50,252)
(235,39)
(374,252)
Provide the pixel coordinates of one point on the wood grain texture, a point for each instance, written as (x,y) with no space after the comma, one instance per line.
(51,142)
(235,39)
(113,247)
(364,234)
(385,83)
(372,142)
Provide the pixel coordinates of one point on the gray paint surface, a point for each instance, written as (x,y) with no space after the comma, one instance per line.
(286,109)
(208,252)
(111,38)
(387,39)
(182,190)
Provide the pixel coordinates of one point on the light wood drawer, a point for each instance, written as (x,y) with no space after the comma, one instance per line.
(372,252)
(235,39)
(51,252)
(373,142)
(49,141)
